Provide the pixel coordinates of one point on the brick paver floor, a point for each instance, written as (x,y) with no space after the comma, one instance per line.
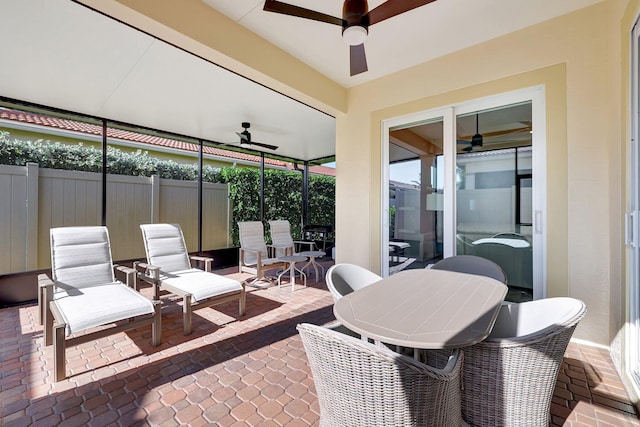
(249,371)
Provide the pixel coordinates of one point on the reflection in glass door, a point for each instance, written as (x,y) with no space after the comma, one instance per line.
(494,204)
(415,196)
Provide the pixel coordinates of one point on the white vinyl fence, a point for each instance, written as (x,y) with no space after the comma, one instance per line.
(33,200)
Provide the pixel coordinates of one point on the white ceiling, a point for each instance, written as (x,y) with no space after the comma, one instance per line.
(412,38)
(60,54)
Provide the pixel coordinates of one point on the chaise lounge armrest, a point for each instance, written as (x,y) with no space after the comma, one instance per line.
(129,275)
(45,287)
(150,274)
(206,260)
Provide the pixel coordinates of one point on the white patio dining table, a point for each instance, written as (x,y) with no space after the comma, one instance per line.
(424,309)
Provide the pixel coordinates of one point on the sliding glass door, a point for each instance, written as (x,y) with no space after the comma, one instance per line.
(415,227)
(493,192)
(468,179)
(633,220)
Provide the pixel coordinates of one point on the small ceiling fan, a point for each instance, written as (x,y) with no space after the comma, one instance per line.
(355,21)
(476,140)
(245,138)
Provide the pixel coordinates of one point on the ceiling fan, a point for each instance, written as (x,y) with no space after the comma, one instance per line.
(476,140)
(355,21)
(245,138)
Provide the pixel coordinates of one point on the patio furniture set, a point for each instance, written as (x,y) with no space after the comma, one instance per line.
(432,346)
(257,257)
(83,295)
(437,347)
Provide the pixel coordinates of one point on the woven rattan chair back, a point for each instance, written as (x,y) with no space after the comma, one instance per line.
(509,378)
(360,384)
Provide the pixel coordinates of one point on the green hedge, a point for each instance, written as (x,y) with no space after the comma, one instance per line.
(283,189)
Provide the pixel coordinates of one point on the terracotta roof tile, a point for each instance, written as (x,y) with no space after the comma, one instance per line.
(88,128)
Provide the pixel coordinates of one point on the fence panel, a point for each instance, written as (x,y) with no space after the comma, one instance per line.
(216,216)
(30,206)
(129,204)
(66,198)
(13,215)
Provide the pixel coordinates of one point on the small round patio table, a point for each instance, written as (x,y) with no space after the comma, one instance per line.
(312,261)
(292,260)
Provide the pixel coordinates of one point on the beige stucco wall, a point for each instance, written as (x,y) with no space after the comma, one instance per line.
(577,58)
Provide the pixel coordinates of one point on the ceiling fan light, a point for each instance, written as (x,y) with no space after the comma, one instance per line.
(354,35)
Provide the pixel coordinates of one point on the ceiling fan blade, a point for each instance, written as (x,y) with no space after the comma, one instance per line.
(270,147)
(242,136)
(462,141)
(391,8)
(301,12)
(357,59)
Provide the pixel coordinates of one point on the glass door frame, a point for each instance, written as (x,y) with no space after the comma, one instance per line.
(448,115)
(632,217)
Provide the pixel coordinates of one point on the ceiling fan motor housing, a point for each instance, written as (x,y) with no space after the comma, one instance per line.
(476,140)
(355,21)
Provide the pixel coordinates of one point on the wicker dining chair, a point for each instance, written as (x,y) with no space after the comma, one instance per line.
(509,378)
(361,384)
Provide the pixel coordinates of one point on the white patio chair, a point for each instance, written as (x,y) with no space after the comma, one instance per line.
(282,242)
(83,295)
(361,384)
(472,264)
(169,268)
(509,378)
(254,256)
(342,279)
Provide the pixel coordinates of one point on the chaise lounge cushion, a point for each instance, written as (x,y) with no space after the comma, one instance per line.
(200,284)
(92,306)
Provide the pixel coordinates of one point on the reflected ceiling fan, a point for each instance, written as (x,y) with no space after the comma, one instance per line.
(355,21)
(476,140)
(245,138)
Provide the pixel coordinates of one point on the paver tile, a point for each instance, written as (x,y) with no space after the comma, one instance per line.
(249,371)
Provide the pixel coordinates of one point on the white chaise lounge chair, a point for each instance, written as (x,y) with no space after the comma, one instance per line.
(83,295)
(169,268)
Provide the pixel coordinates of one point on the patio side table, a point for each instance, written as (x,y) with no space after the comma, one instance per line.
(312,261)
(292,260)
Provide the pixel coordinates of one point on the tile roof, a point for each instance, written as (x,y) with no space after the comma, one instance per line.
(91,129)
